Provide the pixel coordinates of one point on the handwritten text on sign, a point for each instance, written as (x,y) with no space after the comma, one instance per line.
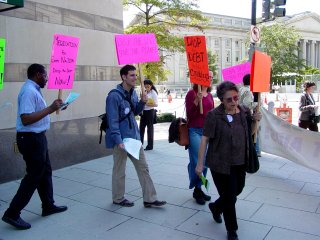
(2,54)
(197,60)
(63,62)
(136,48)
(236,73)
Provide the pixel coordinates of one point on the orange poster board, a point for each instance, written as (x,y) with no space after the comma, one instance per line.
(260,72)
(197,60)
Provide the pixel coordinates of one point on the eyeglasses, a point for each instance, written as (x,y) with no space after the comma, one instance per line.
(234,98)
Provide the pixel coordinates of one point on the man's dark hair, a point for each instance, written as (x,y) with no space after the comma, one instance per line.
(125,70)
(308,84)
(246,80)
(225,86)
(33,69)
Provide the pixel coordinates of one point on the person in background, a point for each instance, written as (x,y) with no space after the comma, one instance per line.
(33,121)
(195,124)
(149,113)
(121,112)
(246,99)
(308,107)
(226,132)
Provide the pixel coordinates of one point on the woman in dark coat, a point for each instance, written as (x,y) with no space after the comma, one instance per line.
(226,131)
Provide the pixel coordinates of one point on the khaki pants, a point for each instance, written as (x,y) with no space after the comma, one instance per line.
(119,173)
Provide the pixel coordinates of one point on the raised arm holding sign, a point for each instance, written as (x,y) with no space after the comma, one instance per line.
(197,61)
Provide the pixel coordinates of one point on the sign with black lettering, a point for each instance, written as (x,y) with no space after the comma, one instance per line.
(197,60)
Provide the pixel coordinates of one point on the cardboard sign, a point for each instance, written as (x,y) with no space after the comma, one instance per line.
(136,48)
(236,73)
(260,72)
(285,114)
(2,55)
(197,60)
(63,62)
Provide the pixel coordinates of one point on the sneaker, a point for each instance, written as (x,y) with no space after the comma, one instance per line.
(154,204)
(18,223)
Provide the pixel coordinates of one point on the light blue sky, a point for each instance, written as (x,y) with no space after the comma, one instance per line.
(242,8)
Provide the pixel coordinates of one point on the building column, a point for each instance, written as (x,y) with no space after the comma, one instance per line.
(317,53)
(222,55)
(304,50)
(243,53)
(233,52)
(312,53)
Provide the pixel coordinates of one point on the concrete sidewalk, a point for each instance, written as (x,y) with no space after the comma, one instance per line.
(281,201)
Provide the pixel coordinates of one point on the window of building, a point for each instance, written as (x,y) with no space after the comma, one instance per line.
(228,43)
(237,55)
(228,56)
(228,21)
(216,42)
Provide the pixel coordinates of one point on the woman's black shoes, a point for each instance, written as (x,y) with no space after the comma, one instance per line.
(200,196)
(215,214)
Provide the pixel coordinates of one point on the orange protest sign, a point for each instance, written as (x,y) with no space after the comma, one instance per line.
(197,60)
(260,72)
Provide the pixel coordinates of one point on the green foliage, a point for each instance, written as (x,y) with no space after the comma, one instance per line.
(212,62)
(279,42)
(163,17)
(309,70)
(165,117)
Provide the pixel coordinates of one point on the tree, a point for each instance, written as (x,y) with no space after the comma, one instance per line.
(279,42)
(163,17)
(212,62)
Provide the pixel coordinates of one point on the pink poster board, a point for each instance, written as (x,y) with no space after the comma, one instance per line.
(236,73)
(136,48)
(63,62)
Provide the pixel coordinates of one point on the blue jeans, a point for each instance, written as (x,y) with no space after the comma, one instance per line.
(195,135)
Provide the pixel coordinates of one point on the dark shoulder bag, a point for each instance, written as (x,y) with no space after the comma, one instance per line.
(252,161)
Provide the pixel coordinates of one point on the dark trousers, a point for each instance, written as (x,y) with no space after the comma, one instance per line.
(147,121)
(229,187)
(33,147)
(307,124)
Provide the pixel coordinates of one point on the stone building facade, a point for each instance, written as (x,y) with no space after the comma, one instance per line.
(29,31)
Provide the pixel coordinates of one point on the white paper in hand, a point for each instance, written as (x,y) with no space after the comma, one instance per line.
(132,146)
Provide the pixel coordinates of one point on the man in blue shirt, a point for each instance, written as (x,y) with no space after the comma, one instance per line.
(122,105)
(32,122)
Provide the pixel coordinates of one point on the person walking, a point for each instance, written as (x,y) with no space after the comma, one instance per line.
(246,99)
(122,106)
(308,107)
(226,132)
(149,114)
(195,124)
(32,122)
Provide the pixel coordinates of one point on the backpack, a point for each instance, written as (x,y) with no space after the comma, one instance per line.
(103,117)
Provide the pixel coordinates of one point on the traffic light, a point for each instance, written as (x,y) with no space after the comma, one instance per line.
(278,11)
(268,5)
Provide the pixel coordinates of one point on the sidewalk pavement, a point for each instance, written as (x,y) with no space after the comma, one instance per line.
(281,201)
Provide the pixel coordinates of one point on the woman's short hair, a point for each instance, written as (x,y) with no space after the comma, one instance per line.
(225,86)
(308,84)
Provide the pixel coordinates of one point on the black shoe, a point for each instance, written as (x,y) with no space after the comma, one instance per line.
(19,223)
(54,209)
(216,216)
(232,235)
(197,195)
(205,196)
(148,148)
(154,204)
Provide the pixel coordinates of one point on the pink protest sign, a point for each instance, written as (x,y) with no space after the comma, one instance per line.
(236,73)
(63,62)
(136,48)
